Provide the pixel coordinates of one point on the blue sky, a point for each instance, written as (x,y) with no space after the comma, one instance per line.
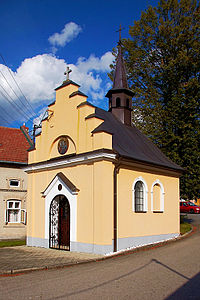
(39,38)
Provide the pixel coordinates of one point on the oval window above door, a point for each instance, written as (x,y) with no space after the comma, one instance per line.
(63,145)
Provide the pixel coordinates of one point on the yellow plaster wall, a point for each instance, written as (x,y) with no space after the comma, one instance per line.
(94,208)
(36,219)
(84,136)
(30,197)
(102,140)
(103,203)
(148,223)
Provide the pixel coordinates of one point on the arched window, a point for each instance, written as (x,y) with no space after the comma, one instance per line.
(118,102)
(140,195)
(157,196)
(127,103)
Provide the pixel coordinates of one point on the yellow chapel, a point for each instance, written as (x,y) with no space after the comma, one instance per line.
(96,184)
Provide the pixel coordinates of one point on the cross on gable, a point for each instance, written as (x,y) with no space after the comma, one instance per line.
(67,73)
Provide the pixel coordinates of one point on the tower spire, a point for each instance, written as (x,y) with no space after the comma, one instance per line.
(120,96)
(120,78)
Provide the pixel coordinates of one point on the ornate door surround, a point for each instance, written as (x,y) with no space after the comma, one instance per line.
(61,186)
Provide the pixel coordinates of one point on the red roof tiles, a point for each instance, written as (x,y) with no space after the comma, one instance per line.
(13,145)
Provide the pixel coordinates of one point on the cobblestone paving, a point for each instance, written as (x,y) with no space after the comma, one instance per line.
(13,259)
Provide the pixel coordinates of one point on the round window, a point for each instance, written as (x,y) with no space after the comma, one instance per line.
(63,145)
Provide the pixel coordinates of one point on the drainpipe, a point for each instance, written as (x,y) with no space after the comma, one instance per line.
(116,171)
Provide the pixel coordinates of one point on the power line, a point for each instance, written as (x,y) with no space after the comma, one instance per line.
(6,113)
(16,108)
(13,103)
(5,120)
(13,91)
(18,86)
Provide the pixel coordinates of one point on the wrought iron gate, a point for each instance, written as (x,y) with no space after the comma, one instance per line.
(59,223)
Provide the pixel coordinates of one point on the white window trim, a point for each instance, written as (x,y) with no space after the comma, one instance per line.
(13,208)
(145,194)
(14,186)
(162,195)
(25,216)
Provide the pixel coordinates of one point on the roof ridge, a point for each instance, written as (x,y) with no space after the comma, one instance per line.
(13,128)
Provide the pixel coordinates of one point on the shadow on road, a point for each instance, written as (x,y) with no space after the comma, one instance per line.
(170,269)
(101,284)
(190,290)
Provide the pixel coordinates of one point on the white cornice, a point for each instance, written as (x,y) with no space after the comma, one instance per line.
(70,161)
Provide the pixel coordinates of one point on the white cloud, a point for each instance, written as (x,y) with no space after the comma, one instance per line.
(89,72)
(68,33)
(40,75)
(6,81)
(94,63)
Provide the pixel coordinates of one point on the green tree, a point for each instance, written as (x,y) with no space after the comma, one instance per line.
(162,58)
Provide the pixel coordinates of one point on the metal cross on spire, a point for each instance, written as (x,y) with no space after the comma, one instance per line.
(120,31)
(67,73)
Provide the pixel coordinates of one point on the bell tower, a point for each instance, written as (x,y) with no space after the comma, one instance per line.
(120,96)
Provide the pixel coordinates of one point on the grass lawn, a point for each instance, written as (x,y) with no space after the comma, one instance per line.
(184,225)
(11,243)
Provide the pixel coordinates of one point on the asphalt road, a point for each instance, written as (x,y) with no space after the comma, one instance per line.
(168,272)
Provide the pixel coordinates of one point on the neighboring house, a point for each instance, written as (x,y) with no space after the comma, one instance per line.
(13,183)
(96,183)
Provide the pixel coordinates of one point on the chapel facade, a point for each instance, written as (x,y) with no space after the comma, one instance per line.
(96,184)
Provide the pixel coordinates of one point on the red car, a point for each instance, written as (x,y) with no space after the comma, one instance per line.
(189,207)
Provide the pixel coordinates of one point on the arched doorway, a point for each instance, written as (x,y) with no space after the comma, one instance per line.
(59,223)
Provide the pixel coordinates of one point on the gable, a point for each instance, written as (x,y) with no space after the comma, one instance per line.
(68,120)
(60,178)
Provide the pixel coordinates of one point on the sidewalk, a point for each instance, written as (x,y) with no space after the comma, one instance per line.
(21,259)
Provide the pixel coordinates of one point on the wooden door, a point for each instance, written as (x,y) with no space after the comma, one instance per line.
(64,224)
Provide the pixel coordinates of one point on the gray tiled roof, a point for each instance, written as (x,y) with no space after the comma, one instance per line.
(131,143)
